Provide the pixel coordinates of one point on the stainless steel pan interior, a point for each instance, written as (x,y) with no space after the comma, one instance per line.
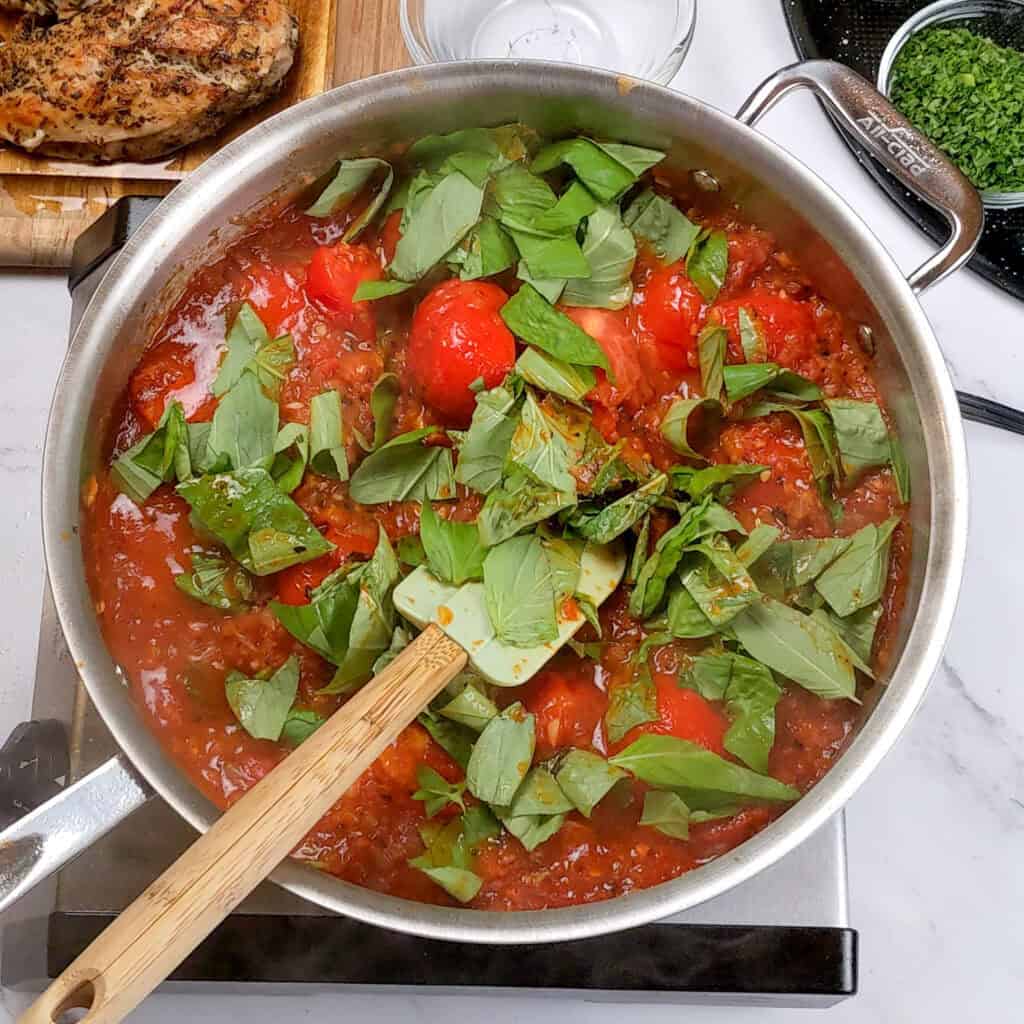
(853,268)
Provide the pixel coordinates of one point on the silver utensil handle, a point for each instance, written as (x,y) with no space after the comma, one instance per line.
(56,832)
(890,138)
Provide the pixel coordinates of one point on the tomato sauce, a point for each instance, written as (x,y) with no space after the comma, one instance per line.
(175,652)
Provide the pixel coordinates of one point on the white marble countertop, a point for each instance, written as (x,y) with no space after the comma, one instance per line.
(936,837)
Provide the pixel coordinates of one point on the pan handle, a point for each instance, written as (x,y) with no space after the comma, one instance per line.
(56,832)
(890,138)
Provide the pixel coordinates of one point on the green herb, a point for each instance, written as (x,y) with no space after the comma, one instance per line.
(486,250)
(723,479)
(761,538)
(383,397)
(470,708)
(350,179)
(656,220)
(299,726)
(707,263)
(711,345)
(752,339)
(447,862)
(631,703)
(404,469)
(572,206)
(743,379)
(251,348)
(484,450)
(717,581)
(858,630)
(400,639)
(326,442)
(262,705)
(436,791)
(479,825)
(441,220)
(550,288)
(861,434)
(607,170)
(454,739)
(244,427)
(857,578)
(610,251)
(264,529)
(667,813)
(520,593)
(291,453)
(539,794)
(788,565)
(453,549)
(157,458)
(586,778)
(703,779)
(501,756)
(797,647)
(216,581)
(533,829)
(530,317)
(324,624)
(370,291)
(964,92)
(676,424)
(559,257)
(641,551)
(518,503)
(551,374)
(411,552)
(603,525)
(684,617)
(900,468)
(540,449)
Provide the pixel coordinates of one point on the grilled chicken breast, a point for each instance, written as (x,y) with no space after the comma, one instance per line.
(136,79)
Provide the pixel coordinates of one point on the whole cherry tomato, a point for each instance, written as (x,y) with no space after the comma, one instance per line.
(333,276)
(668,307)
(458,337)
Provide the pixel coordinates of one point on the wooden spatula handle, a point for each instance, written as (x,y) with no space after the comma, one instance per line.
(160,928)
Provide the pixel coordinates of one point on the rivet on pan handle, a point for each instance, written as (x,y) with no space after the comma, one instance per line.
(889,137)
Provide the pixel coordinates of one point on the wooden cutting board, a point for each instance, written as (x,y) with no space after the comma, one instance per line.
(45,204)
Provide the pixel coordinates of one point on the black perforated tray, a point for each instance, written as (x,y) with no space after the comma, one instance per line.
(855,32)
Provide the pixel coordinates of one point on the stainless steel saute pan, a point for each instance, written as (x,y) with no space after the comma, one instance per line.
(853,269)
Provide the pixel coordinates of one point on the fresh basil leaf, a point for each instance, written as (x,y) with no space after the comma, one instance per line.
(900,468)
(607,170)
(709,674)
(632,703)
(454,739)
(675,425)
(610,250)
(797,647)
(291,453)
(433,150)
(400,639)
(861,434)
(743,379)
(564,561)
(483,453)
(443,218)
(470,708)
(546,258)
(478,167)
(244,427)
(245,337)
(586,778)
(519,592)
(272,362)
(667,813)
(641,551)
(761,538)
(699,776)
(487,249)
(711,344)
(538,448)
(602,526)
(404,469)
(522,198)
(819,442)
(789,565)
(326,622)
(684,617)
(264,529)
(752,339)
(724,478)
(717,581)
(479,825)
(411,551)
(551,374)
(446,861)
(857,577)
(262,705)
(564,217)
(794,388)
(750,701)
(155,459)
(708,262)
(326,443)
(550,288)
(829,620)
(539,794)
(454,552)
(858,631)
(349,181)
(518,503)
(533,829)
(436,791)
(216,581)
(383,397)
(656,220)
(501,756)
(201,460)
(370,291)
(299,726)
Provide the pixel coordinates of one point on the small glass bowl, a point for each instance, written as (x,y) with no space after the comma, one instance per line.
(644,41)
(1002,21)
